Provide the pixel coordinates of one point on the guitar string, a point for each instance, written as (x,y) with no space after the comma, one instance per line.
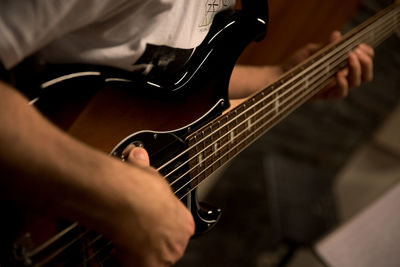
(60,250)
(292,94)
(179,167)
(265,126)
(376,41)
(213,153)
(264,123)
(305,99)
(53,239)
(268,124)
(255,104)
(97,252)
(245,133)
(363,24)
(250,108)
(228,152)
(272,104)
(109,244)
(298,103)
(68,245)
(233,148)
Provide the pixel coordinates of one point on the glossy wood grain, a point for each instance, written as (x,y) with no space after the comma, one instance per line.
(294,23)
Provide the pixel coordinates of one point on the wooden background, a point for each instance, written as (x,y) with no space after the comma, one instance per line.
(294,23)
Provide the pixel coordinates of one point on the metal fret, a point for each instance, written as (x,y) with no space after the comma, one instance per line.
(229,134)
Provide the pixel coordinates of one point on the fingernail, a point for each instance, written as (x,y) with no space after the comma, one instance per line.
(139,153)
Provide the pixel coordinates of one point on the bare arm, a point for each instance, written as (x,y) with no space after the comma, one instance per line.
(131,204)
(246,80)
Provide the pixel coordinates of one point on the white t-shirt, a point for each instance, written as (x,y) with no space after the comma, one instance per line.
(105,32)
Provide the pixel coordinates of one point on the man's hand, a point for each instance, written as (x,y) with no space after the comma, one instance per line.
(160,227)
(130,203)
(359,68)
(246,80)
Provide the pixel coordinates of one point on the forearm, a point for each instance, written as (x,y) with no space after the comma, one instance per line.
(45,168)
(246,80)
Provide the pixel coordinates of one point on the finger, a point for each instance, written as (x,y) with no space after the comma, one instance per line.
(325,92)
(354,77)
(137,155)
(366,65)
(367,49)
(335,36)
(311,48)
(342,83)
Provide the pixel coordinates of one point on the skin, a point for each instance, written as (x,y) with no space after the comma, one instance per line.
(130,203)
(248,79)
(45,169)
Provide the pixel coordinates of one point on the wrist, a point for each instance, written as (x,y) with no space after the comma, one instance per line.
(275,72)
(247,80)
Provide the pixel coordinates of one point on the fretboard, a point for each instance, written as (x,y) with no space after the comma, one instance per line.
(222,139)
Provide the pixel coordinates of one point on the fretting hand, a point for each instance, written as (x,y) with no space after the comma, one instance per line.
(246,80)
(359,68)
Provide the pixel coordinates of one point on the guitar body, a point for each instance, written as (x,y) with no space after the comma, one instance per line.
(176,118)
(110,109)
(113,111)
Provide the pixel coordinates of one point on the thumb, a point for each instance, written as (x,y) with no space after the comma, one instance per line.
(137,155)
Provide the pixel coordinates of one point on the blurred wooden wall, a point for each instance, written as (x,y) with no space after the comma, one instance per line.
(294,23)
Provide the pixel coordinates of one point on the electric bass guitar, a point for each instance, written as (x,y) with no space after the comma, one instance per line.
(117,109)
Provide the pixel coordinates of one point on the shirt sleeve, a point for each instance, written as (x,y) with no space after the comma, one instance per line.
(28,25)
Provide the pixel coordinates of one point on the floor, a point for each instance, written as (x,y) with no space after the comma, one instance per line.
(307,176)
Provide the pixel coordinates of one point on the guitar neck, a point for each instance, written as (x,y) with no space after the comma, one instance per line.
(222,139)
